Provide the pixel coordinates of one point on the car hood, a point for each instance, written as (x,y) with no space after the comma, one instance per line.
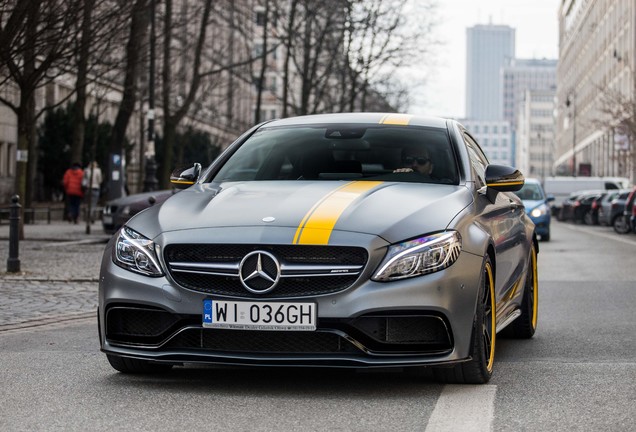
(140,198)
(310,211)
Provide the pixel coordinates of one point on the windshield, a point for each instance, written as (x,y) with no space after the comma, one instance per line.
(341,152)
(530,192)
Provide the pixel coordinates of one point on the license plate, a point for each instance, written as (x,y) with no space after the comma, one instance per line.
(107,219)
(239,315)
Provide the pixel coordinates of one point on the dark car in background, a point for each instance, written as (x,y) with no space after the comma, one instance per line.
(590,216)
(611,206)
(624,221)
(537,208)
(577,205)
(116,212)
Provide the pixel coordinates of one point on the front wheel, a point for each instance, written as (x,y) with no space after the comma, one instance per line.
(621,224)
(482,349)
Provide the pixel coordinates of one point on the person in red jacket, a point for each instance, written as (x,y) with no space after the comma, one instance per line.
(72,182)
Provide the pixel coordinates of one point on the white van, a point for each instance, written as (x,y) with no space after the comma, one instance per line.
(562,187)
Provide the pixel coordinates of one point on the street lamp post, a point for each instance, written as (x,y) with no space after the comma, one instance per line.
(571,101)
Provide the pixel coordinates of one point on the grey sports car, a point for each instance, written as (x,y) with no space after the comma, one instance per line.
(346,240)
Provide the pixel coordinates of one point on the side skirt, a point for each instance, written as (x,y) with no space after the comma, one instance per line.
(508,319)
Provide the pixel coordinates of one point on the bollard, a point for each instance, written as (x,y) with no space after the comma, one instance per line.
(13,263)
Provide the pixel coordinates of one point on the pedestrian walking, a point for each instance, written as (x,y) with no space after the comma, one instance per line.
(92,183)
(72,182)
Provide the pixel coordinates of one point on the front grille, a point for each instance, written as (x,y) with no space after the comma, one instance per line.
(305,270)
(261,342)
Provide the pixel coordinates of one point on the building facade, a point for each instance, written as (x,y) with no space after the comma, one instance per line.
(521,75)
(535,133)
(494,137)
(488,49)
(597,63)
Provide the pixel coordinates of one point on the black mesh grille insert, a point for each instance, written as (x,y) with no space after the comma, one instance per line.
(407,331)
(230,285)
(142,325)
(263,342)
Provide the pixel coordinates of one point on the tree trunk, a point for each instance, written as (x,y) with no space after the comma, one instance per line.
(138,31)
(79,119)
(261,76)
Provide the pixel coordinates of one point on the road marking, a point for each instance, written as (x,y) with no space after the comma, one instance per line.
(466,408)
(615,237)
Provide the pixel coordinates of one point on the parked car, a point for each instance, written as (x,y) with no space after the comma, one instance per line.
(341,240)
(578,205)
(629,214)
(590,216)
(611,206)
(631,205)
(562,187)
(116,212)
(537,206)
(623,223)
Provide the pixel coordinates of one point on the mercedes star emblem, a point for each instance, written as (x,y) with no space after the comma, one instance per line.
(259,272)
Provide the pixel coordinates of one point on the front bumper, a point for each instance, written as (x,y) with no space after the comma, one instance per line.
(542,224)
(418,321)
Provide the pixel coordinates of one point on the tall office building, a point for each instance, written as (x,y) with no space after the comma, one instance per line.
(521,75)
(489,48)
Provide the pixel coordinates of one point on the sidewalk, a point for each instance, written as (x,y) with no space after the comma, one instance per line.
(59,275)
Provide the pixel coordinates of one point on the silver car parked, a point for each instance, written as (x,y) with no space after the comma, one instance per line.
(351,240)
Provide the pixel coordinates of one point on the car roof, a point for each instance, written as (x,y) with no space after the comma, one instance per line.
(361,118)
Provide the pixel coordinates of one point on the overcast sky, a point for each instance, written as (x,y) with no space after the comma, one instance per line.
(537,36)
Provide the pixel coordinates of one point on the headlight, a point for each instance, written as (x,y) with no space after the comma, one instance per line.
(420,256)
(539,211)
(136,253)
(125,211)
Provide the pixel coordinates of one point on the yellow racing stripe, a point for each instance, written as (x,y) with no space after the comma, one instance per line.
(317,225)
(396,119)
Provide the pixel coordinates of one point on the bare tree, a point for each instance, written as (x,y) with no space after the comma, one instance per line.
(99,29)
(618,113)
(260,81)
(343,55)
(37,47)
(138,31)
(174,113)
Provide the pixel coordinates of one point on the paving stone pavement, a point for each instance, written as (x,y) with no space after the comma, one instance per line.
(59,265)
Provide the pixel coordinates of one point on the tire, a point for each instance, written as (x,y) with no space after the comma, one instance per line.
(525,326)
(478,370)
(621,224)
(588,219)
(545,237)
(136,366)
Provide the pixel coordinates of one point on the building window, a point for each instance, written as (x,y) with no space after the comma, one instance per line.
(260,18)
(258,50)
(7,159)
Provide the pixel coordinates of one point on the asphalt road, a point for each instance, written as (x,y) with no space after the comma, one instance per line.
(577,374)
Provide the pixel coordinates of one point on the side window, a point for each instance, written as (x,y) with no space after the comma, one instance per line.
(477,158)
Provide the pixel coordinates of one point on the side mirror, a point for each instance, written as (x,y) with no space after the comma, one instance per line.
(184,177)
(550,198)
(503,178)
